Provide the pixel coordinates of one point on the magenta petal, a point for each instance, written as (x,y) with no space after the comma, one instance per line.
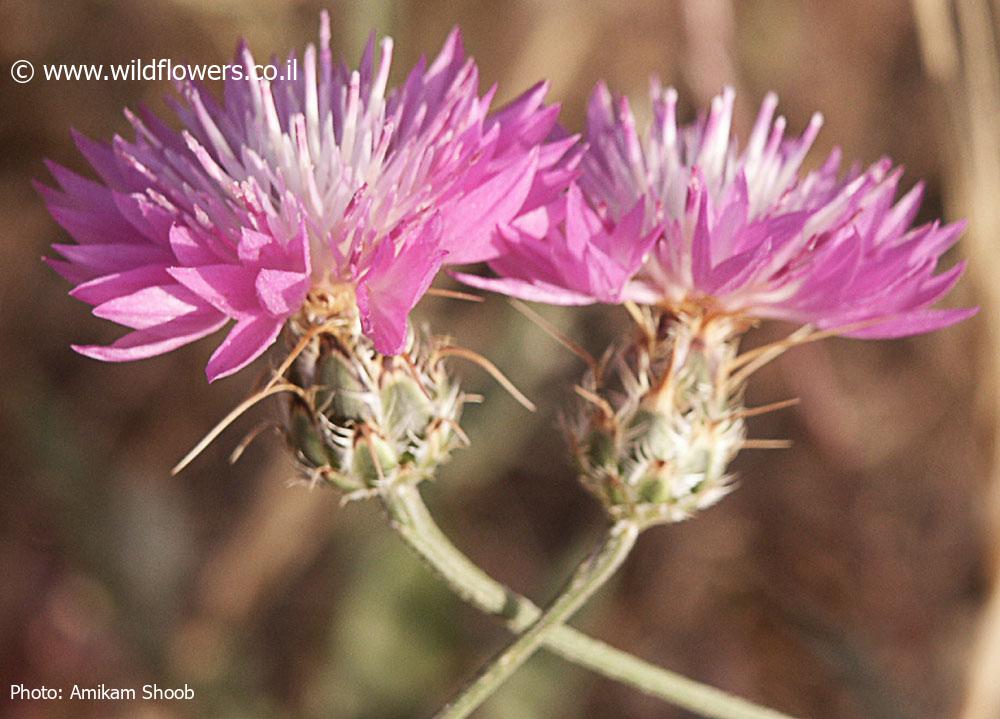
(451,56)
(537,222)
(104,259)
(533,291)
(525,258)
(701,240)
(521,111)
(577,262)
(147,221)
(68,271)
(394,285)
(187,248)
(915,323)
(107,287)
(252,244)
(578,230)
(942,238)
(281,292)
(605,277)
(627,245)
(149,306)
(902,214)
(471,220)
(93,228)
(81,191)
(102,158)
(228,288)
(155,340)
(247,340)
(600,116)
(734,272)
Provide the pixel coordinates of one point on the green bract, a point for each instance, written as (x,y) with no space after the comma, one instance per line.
(657,449)
(365,419)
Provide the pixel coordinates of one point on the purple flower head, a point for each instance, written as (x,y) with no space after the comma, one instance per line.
(320,191)
(682,217)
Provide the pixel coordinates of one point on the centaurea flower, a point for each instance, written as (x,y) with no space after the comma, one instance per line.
(322,195)
(738,232)
(701,238)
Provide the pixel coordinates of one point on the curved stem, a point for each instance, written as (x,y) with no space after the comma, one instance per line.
(409,517)
(590,576)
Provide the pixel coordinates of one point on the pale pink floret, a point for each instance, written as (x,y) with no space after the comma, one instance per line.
(323,180)
(738,231)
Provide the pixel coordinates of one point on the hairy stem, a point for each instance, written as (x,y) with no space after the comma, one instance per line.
(411,520)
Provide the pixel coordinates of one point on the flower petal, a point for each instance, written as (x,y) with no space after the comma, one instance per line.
(247,340)
(394,284)
(281,292)
(470,221)
(229,288)
(533,291)
(150,306)
(156,340)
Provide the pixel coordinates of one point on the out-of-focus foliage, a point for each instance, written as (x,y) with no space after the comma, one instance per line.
(844,578)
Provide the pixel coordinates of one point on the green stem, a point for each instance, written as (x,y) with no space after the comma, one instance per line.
(411,520)
(590,576)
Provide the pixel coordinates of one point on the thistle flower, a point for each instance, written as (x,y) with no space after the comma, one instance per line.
(700,239)
(739,233)
(319,196)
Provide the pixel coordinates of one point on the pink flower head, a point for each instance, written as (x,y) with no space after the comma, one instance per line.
(318,181)
(682,216)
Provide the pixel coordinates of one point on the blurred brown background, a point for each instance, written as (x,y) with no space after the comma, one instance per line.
(854,575)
